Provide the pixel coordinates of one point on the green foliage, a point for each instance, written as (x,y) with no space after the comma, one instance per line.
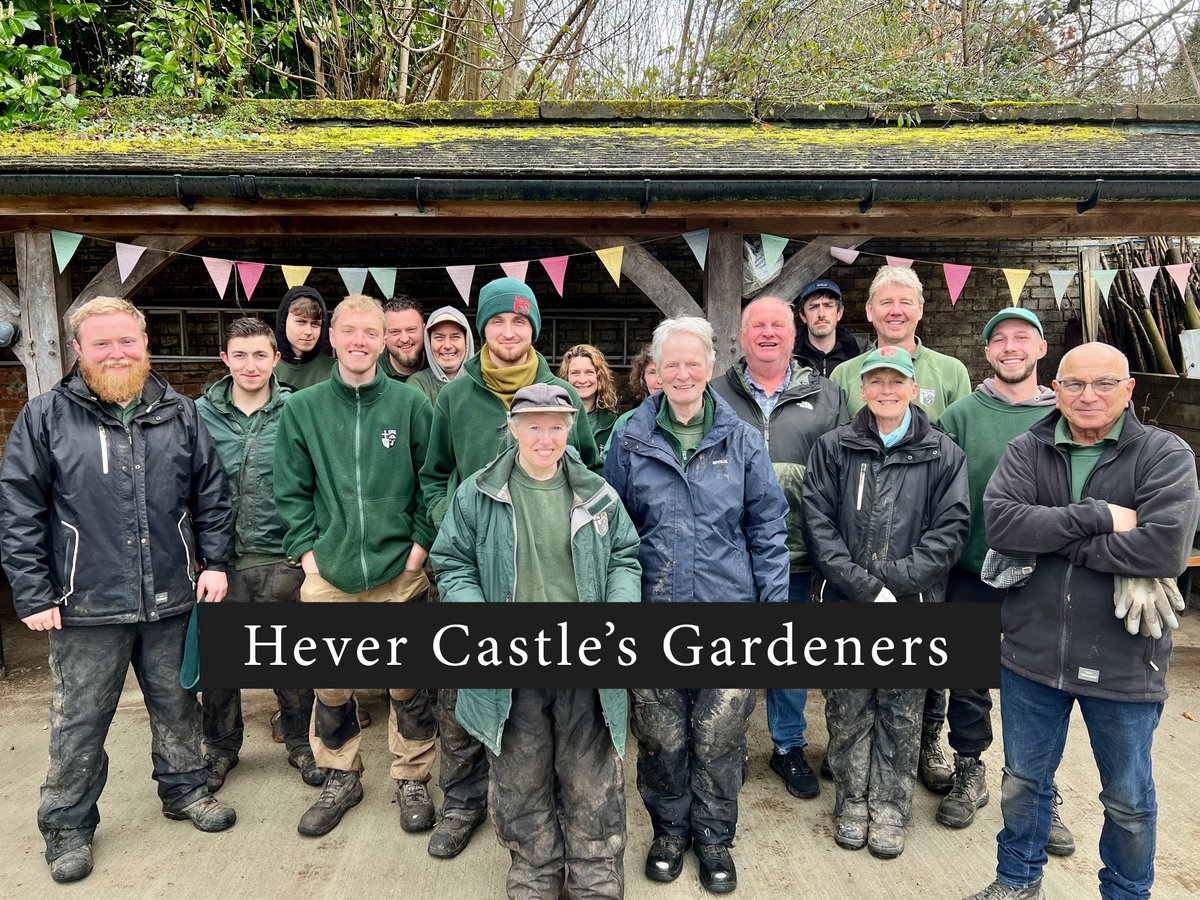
(32,75)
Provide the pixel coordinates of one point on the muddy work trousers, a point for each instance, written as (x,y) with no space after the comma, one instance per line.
(462,762)
(692,759)
(874,744)
(88,664)
(557,797)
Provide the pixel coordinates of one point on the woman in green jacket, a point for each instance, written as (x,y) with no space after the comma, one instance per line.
(585,369)
(534,526)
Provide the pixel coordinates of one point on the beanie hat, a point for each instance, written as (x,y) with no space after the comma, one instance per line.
(508,295)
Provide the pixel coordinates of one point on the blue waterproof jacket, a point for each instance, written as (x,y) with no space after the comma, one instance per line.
(712,530)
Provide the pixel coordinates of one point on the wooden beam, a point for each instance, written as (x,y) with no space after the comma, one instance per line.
(723,295)
(43,293)
(648,274)
(806,264)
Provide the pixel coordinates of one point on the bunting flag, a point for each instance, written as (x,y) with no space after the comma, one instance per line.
(772,246)
(1016,279)
(462,276)
(844,254)
(1061,279)
(354,280)
(1145,276)
(697,242)
(956,277)
(899,261)
(127,257)
(385,280)
(1180,272)
(556,268)
(65,245)
(1104,279)
(250,272)
(516,270)
(218,271)
(294,275)
(612,258)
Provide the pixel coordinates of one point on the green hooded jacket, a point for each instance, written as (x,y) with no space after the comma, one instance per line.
(246,446)
(346,464)
(470,429)
(604,549)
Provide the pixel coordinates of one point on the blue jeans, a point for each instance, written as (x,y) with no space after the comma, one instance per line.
(785,706)
(1035,718)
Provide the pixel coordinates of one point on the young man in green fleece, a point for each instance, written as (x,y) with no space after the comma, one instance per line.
(346,464)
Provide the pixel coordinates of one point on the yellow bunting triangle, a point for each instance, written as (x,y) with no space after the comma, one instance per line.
(295,275)
(1016,279)
(612,257)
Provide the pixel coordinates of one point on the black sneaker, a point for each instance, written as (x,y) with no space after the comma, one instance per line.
(796,773)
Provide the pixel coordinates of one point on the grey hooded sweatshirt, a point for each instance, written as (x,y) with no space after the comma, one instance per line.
(430,381)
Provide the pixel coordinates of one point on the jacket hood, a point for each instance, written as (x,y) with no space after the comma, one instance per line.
(1045,396)
(285,348)
(844,341)
(461,319)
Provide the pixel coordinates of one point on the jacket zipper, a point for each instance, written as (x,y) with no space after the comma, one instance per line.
(69,588)
(103,449)
(187,554)
(862,477)
(362,517)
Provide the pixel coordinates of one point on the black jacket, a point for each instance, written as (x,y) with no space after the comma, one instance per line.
(876,517)
(108,522)
(1059,628)
(847,347)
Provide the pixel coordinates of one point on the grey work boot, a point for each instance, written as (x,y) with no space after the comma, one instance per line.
(1061,842)
(74,865)
(934,770)
(341,793)
(968,793)
(207,814)
(454,832)
(997,890)
(310,773)
(416,807)
(885,841)
(219,766)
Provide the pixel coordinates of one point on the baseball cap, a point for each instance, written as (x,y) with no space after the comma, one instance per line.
(1011,312)
(447,316)
(541,398)
(889,358)
(820,286)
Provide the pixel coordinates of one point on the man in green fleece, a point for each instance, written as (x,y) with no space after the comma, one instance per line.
(983,423)
(346,484)
(470,428)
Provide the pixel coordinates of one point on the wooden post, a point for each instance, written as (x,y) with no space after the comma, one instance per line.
(44,295)
(723,295)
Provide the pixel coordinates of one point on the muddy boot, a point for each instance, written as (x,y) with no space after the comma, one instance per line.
(997,890)
(885,841)
(342,792)
(207,814)
(968,793)
(453,833)
(416,807)
(302,758)
(74,865)
(219,766)
(1061,842)
(933,768)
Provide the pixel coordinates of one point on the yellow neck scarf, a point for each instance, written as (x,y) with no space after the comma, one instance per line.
(504,383)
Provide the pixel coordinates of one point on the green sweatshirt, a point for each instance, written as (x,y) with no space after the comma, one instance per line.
(982,426)
(315,371)
(941,380)
(346,483)
(470,429)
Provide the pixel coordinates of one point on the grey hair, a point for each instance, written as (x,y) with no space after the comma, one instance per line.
(693,325)
(901,275)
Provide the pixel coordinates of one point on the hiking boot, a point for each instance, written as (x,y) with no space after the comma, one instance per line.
(997,890)
(885,841)
(933,768)
(969,793)
(452,834)
(797,774)
(364,718)
(219,766)
(207,814)
(342,791)
(416,808)
(277,727)
(302,758)
(718,875)
(850,832)
(664,862)
(74,865)
(1061,842)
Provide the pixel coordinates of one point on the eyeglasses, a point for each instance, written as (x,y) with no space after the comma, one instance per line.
(1102,387)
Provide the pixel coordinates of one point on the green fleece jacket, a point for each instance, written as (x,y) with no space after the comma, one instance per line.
(470,429)
(346,478)
(474,557)
(941,380)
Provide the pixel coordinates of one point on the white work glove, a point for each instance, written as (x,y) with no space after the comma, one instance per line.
(886,596)
(1145,603)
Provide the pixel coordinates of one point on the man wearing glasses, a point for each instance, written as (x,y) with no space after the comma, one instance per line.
(1106,508)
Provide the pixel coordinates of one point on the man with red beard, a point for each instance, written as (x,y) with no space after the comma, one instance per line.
(114,520)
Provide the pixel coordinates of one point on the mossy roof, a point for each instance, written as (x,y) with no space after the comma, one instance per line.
(615,140)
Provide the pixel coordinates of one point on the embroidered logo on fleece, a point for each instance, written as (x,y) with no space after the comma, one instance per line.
(388,437)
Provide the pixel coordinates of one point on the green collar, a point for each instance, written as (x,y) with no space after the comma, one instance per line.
(1063,438)
(367,394)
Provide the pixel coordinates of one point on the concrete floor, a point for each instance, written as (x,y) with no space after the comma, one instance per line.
(784,848)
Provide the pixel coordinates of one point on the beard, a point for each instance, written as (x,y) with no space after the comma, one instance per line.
(408,360)
(1019,377)
(116,387)
(510,355)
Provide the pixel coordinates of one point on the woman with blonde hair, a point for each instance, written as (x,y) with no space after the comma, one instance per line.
(586,370)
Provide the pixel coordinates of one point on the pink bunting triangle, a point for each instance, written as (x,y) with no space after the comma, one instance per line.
(956,277)
(462,276)
(1145,276)
(218,271)
(899,261)
(127,257)
(516,270)
(556,268)
(1180,272)
(250,272)
(845,255)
